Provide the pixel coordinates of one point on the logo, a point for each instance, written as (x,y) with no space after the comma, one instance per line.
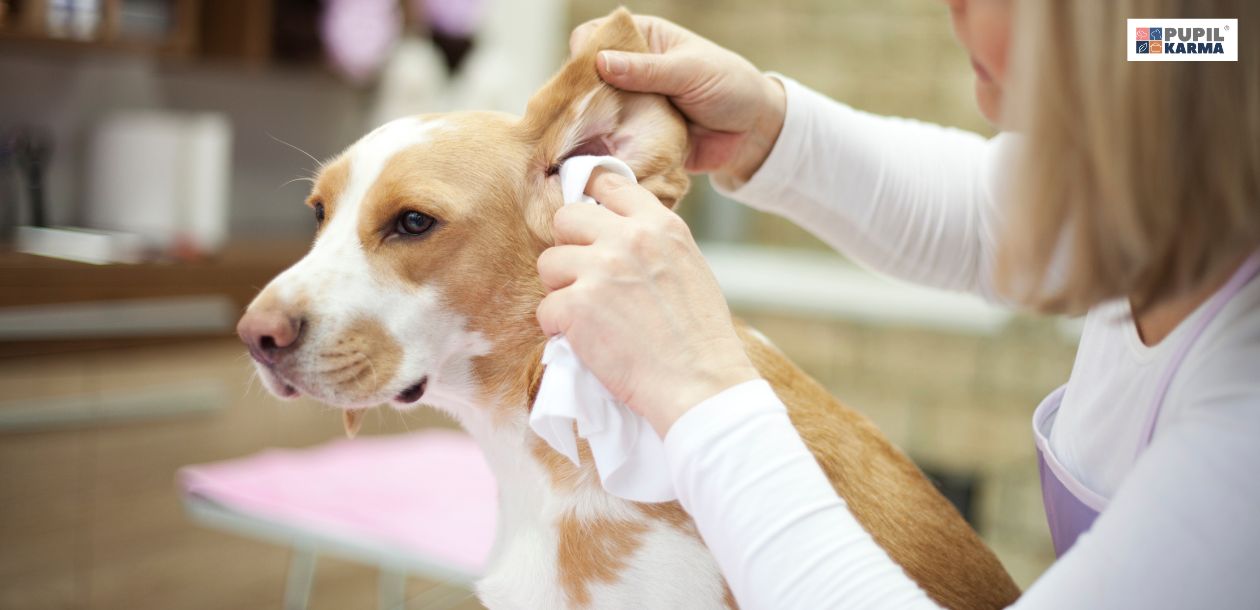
(1183,39)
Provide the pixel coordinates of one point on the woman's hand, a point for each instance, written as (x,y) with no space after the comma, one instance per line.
(636,299)
(734,112)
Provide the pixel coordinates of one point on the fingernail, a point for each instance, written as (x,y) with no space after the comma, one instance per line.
(614,63)
(606,175)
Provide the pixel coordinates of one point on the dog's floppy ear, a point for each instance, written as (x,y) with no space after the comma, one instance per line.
(576,113)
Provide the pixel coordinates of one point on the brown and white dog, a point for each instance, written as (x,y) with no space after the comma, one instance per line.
(421,285)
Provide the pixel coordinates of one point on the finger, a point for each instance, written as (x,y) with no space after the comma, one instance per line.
(620,194)
(581,224)
(560,266)
(554,313)
(582,33)
(668,74)
(654,29)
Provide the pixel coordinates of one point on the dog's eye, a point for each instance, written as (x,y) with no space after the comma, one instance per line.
(319,213)
(414,223)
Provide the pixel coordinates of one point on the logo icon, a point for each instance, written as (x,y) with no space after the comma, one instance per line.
(1182,39)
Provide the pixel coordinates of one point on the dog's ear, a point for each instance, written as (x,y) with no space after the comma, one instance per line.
(576,113)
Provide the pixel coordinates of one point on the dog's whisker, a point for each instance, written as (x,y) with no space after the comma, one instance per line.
(355,378)
(298,179)
(375,381)
(338,369)
(348,377)
(318,163)
(402,420)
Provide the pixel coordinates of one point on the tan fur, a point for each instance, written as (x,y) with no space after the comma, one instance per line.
(594,551)
(564,474)
(347,364)
(671,513)
(329,185)
(495,216)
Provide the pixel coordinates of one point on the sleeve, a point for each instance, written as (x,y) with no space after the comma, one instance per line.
(780,534)
(1182,531)
(909,199)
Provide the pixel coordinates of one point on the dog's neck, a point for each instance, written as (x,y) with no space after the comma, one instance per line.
(537,485)
(494,402)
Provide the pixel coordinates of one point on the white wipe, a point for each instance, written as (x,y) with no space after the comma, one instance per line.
(629,456)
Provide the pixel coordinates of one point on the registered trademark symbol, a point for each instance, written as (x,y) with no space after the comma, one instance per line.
(1227,28)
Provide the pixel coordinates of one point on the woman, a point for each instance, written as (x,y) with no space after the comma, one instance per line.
(1133,196)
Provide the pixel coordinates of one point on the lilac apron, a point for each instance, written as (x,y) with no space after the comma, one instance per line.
(1071,507)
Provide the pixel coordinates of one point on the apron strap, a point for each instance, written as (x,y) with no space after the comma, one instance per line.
(1245,272)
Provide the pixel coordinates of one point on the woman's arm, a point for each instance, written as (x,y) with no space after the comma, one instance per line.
(1182,532)
(906,198)
(780,534)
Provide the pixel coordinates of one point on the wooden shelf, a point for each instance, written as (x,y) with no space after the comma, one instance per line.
(251,33)
(238,274)
(18,39)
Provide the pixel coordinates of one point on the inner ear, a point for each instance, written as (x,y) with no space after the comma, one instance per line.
(597,146)
(589,125)
(576,113)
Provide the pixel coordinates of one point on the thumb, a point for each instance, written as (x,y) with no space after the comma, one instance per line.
(644,72)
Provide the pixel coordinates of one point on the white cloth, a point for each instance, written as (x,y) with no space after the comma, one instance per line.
(917,201)
(629,456)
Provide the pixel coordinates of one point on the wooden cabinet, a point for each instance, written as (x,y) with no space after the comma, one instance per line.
(242,32)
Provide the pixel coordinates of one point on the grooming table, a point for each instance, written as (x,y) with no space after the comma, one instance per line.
(414,504)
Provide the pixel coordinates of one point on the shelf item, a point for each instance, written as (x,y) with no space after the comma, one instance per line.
(163,176)
(158,27)
(81,245)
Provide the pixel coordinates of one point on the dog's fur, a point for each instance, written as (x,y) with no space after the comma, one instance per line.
(377,312)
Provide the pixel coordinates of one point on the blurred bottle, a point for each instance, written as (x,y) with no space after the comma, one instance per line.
(8,188)
(78,19)
(164,177)
(453,25)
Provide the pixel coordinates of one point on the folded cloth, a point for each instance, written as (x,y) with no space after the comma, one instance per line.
(629,456)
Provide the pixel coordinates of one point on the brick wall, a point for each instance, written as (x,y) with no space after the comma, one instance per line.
(959,404)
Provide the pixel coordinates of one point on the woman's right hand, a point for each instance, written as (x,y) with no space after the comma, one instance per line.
(734,112)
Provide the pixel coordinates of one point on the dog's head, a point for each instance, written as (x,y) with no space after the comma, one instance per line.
(421,281)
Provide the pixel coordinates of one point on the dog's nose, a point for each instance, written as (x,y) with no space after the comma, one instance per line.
(268,333)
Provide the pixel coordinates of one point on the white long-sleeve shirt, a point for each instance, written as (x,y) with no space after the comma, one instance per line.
(916,201)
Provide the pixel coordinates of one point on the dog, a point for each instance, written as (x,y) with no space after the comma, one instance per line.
(421,285)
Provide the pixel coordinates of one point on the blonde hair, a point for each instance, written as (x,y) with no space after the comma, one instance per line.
(1138,179)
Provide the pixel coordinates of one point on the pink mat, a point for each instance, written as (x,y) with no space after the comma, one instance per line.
(428,493)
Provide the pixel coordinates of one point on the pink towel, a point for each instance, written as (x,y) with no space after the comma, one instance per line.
(430,493)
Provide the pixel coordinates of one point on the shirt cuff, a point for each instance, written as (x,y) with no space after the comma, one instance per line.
(716,416)
(723,410)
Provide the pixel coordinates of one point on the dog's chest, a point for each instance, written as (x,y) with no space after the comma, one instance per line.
(563,542)
(542,566)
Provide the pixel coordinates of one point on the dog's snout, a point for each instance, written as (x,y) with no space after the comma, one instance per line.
(268,333)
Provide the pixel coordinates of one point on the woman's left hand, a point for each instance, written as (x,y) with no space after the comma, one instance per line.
(637,301)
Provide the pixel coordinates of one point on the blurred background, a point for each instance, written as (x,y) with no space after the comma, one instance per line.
(151,163)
